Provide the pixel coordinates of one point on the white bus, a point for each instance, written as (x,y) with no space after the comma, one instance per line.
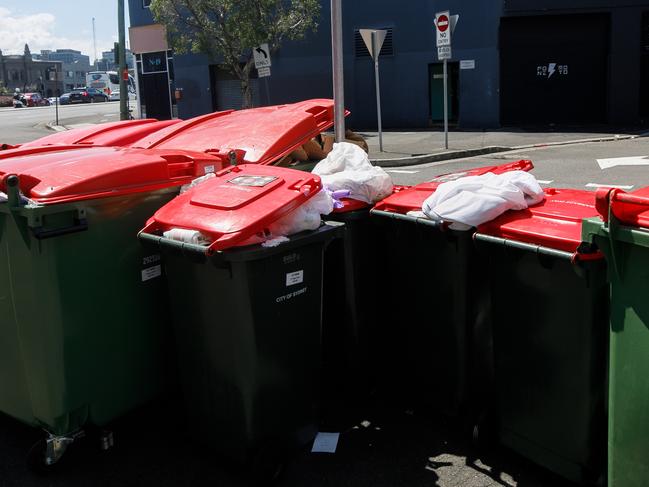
(107,81)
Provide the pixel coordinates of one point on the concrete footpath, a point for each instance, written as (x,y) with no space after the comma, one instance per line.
(411,148)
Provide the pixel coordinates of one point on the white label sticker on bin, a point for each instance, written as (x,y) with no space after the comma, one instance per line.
(209,169)
(293,278)
(151,272)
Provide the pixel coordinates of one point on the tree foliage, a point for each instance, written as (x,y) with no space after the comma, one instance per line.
(227,30)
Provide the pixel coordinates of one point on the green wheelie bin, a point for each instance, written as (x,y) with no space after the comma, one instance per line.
(84,333)
(247,316)
(549,301)
(622,233)
(436,331)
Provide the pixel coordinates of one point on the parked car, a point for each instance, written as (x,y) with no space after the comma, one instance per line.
(87,95)
(52,100)
(64,99)
(34,100)
(114,96)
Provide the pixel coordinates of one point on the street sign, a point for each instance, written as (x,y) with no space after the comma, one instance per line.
(444,52)
(263,72)
(442,28)
(467,64)
(379,38)
(261,55)
(373,39)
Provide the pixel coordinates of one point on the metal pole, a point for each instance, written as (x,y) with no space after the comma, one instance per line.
(378,89)
(57,92)
(123,87)
(445,107)
(337,69)
(267,90)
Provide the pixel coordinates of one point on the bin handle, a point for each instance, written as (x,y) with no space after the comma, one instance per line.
(537,249)
(413,219)
(80,225)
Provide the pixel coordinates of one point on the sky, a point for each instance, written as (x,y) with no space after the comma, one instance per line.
(58,24)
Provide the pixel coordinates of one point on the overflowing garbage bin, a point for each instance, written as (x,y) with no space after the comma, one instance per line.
(247,310)
(84,332)
(549,301)
(621,232)
(434,332)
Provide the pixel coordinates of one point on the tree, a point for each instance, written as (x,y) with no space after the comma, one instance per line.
(228,30)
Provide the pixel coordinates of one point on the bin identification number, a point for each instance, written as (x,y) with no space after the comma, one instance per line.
(293,278)
(151,272)
(288,296)
(150,259)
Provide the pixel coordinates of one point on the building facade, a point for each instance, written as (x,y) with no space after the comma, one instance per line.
(22,72)
(75,66)
(108,62)
(514,63)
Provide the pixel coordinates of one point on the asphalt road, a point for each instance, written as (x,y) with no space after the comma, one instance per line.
(19,125)
(561,166)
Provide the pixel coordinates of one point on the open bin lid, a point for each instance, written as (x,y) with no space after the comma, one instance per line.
(266,134)
(629,208)
(98,172)
(555,223)
(412,199)
(237,204)
(123,133)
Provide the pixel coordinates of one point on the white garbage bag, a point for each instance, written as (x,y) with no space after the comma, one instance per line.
(474,200)
(195,182)
(305,217)
(347,167)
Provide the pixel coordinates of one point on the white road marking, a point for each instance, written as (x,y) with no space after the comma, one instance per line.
(619,186)
(623,161)
(545,181)
(401,171)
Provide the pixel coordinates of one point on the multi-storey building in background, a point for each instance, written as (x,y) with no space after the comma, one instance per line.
(75,66)
(22,72)
(108,62)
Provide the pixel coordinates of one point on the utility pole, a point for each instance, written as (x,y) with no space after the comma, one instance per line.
(94,41)
(123,71)
(337,65)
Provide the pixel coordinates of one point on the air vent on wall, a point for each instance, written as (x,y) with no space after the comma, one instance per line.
(360,50)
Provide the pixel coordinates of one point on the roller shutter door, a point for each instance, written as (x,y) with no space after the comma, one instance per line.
(554,69)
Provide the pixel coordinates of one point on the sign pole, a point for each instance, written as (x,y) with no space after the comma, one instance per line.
(445,104)
(337,69)
(123,87)
(58,93)
(375,50)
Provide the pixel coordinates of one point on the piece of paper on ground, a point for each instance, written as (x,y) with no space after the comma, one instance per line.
(325,443)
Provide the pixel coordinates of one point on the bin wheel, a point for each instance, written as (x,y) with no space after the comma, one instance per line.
(36,458)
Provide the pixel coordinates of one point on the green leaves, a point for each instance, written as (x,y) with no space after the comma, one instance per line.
(228,30)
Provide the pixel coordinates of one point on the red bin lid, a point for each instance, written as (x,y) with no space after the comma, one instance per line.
(412,198)
(266,134)
(630,208)
(98,172)
(237,204)
(123,133)
(554,223)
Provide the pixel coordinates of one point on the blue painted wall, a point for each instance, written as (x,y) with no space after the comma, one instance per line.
(302,69)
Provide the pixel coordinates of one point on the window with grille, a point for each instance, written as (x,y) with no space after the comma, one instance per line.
(360,50)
